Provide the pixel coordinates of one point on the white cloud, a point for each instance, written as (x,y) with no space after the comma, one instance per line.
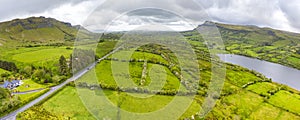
(265,13)
(73,11)
(76,14)
(278,14)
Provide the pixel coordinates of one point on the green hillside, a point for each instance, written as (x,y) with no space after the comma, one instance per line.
(262,43)
(41,47)
(238,100)
(35,31)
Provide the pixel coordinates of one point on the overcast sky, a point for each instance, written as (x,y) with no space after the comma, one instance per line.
(98,15)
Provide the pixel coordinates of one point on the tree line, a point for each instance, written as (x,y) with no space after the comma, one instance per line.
(80,59)
(9,66)
(62,69)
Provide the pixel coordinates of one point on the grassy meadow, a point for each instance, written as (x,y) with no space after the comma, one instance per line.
(29,84)
(245,95)
(26,98)
(38,56)
(3,71)
(42,55)
(146,81)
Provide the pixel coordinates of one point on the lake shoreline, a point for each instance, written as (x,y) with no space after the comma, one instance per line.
(278,73)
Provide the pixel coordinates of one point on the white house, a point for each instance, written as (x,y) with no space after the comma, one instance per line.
(11,85)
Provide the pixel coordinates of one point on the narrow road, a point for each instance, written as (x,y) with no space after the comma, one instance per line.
(29,91)
(12,115)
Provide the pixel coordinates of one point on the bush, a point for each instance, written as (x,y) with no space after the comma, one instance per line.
(27,100)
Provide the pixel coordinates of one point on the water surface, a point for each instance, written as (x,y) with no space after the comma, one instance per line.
(278,73)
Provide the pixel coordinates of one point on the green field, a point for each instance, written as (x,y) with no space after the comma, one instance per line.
(64,104)
(138,56)
(43,55)
(3,71)
(240,78)
(155,72)
(75,109)
(262,88)
(73,106)
(28,84)
(286,100)
(245,95)
(235,102)
(266,112)
(243,103)
(25,98)
(151,75)
(105,47)
(160,76)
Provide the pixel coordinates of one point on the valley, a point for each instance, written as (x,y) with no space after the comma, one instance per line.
(148,79)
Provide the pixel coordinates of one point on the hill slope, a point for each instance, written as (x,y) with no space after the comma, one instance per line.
(36,30)
(262,43)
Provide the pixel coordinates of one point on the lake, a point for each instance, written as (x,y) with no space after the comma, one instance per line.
(278,73)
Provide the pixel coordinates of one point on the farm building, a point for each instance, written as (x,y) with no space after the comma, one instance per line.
(11,84)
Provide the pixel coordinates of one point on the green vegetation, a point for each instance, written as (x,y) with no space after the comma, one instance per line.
(41,56)
(8,102)
(139,56)
(287,101)
(39,51)
(25,98)
(65,104)
(30,49)
(262,43)
(3,71)
(243,76)
(38,31)
(266,112)
(74,108)
(29,84)
(263,88)
(246,94)
(104,48)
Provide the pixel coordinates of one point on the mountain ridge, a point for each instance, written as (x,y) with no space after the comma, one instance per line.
(42,30)
(219,24)
(38,30)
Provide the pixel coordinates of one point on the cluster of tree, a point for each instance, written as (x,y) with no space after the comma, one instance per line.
(43,44)
(170,92)
(63,66)
(53,74)
(4,94)
(152,60)
(10,66)
(4,76)
(80,59)
(8,102)
(48,75)
(110,36)
(11,76)
(38,74)
(69,37)
(38,113)
(42,75)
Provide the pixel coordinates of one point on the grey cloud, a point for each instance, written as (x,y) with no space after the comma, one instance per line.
(291,11)
(146,11)
(153,12)
(271,13)
(248,12)
(11,8)
(215,3)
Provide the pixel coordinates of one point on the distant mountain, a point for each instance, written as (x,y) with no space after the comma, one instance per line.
(38,30)
(262,43)
(255,35)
